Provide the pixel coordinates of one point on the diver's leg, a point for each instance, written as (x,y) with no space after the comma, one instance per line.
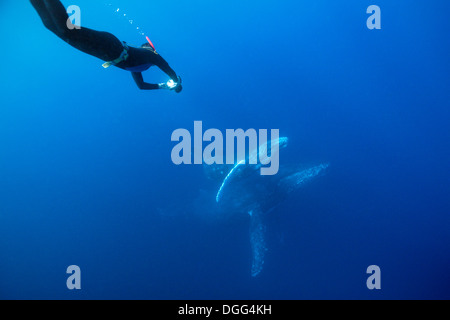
(46,18)
(58,13)
(102,45)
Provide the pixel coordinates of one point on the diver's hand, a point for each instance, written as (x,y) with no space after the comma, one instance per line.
(172,85)
(164,86)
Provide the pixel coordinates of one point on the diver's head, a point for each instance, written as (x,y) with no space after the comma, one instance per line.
(178,87)
(148,47)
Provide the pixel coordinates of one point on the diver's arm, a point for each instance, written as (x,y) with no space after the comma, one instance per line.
(164,66)
(139,79)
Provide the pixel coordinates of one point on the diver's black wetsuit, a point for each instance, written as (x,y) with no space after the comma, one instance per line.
(102,45)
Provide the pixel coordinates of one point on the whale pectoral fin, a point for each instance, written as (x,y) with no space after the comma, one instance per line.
(258,242)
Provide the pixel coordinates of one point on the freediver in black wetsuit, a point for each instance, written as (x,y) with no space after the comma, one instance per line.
(106,46)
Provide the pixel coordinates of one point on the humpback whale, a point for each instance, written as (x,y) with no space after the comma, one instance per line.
(244,190)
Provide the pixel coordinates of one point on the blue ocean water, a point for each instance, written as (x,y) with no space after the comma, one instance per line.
(86,176)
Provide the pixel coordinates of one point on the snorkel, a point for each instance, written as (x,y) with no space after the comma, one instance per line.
(150,42)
